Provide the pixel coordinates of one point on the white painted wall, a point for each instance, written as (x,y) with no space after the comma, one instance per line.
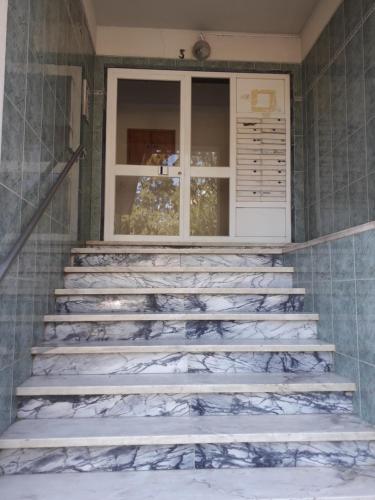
(147,42)
(316,23)
(3,31)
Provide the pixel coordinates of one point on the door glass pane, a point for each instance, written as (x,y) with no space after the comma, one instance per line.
(209,206)
(148,122)
(210,122)
(147,205)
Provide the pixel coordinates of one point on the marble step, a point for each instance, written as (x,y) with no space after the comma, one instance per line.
(210,326)
(184,357)
(205,277)
(170,257)
(91,300)
(58,445)
(183,395)
(303,483)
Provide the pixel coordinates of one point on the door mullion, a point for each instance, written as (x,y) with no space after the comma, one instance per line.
(185,155)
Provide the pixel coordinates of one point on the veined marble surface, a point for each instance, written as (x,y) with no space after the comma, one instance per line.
(305,483)
(107,259)
(207,456)
(337,454)
(143,330)
(211,362)
(176,279)
(105,458)
(182,405)
(179,303)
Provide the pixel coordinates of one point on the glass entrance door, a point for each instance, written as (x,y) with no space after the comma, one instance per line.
(146,175)
(167,156)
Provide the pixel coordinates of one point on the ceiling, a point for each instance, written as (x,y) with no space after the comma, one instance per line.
(245,16)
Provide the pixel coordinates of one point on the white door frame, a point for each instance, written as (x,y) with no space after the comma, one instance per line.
(112,168)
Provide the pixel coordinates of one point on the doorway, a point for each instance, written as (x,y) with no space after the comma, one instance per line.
(172,160)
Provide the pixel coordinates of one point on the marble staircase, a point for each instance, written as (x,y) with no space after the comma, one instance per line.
(187,360)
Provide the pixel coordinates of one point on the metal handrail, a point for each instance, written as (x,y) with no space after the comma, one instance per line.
(21,240)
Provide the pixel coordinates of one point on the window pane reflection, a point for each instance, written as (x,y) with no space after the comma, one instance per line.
(147,206)
(148,122)
(210,122)
(209,206)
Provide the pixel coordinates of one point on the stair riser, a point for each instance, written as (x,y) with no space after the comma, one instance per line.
(179,303)
(229,362)
(144,330)
(158,260)
(183,405)
(175,280)
(206,456)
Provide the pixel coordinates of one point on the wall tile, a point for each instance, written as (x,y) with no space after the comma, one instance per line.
(370,145)
(16,56)
(337,31)
(367,391)
(326,215)
(370,93)
(353,15)
(325,177)
(357,155)
(358,202)
(338,100)
(323,306)
(368,41)
(364,245)
(344,317)
(342,259)
(349,367)
(341,216)
(321,262)
(6,382)
(355,83)
(11,148)
(370,196)
(366,320)
(304,265)
(367,5)
(323,48)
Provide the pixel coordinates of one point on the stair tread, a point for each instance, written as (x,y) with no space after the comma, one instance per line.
(180,291)
(186,345)
(179,269)
(195,316)
(185,430)
(304,483)
(182,383)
